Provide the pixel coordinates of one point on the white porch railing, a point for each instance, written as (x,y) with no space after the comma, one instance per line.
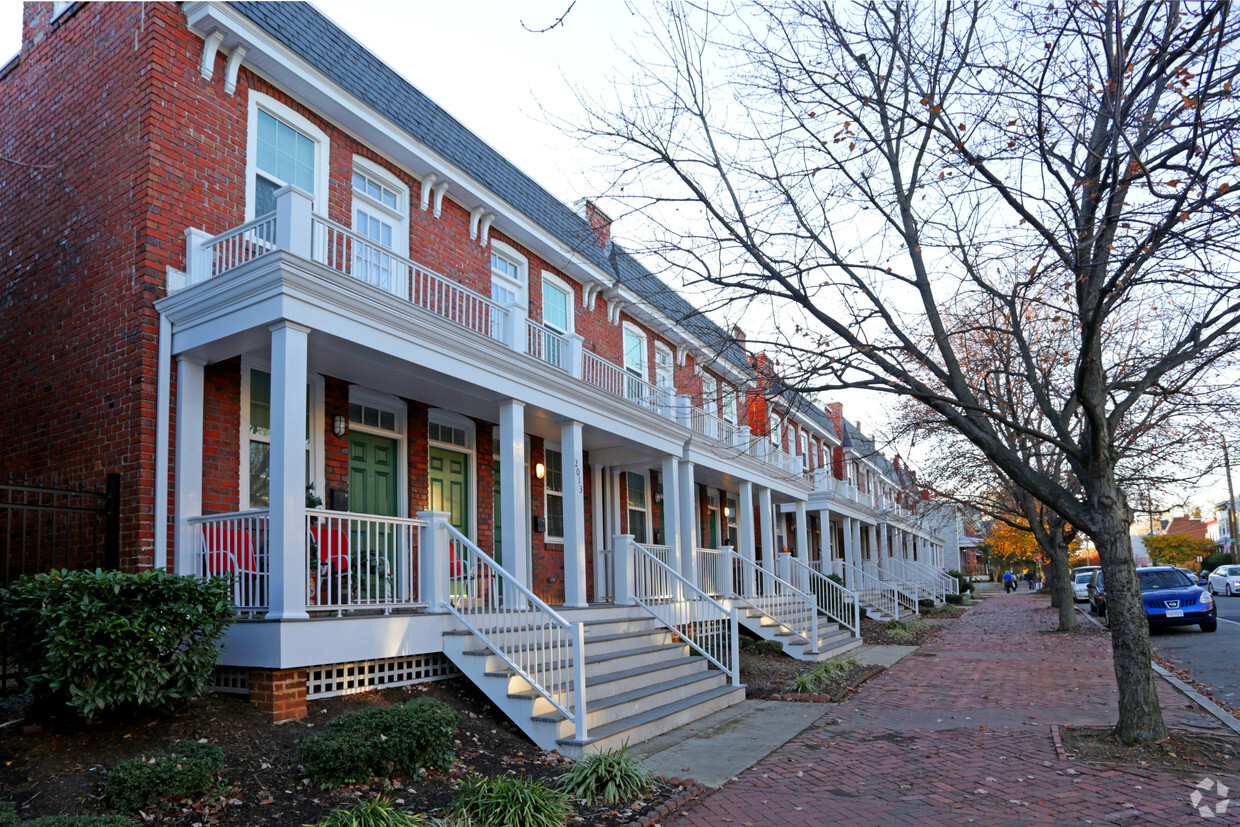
(715,427)
(617,381)
(352,254)
(541,646)
(791,608)
(240,245)
(835,601)
(706,625)
(942,582)
(887,597)
(360,561)
(711,567)
(920,590)
(547,345)
(236,545)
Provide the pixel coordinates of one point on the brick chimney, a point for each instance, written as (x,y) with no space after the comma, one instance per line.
(597,219)
(738,335)
(835,410)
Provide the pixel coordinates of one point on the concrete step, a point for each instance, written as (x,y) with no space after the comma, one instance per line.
(627,680)
(628,704)
(648,723)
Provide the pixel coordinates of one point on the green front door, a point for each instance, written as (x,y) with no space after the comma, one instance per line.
(374,466)
(449,486)
(376,567)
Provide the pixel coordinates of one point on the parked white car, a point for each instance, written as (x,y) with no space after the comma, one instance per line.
(1225,580)
(1080,586)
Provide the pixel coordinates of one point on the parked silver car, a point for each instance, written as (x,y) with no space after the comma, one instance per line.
(1225,580)
(1080,586)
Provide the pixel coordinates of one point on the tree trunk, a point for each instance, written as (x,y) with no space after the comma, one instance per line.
(1140,714)
(1061,580)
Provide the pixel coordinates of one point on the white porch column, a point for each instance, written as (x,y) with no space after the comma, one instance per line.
(827,542)
(624,569)
(688,524)
(803,542)
(882,546)
(597,499)
(856,543)
(514,510)
(287,479)
(188,463)
(850,580)
(668,479)
(574,484)
(766,521)
(744,527)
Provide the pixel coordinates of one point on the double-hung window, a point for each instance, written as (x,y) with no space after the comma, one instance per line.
(380,210)
(256,435)
(635,365)
(283,148)
(554,484)
(557,304)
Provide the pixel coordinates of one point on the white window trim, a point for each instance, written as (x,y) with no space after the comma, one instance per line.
(728,392)
(316,436)
(648,507)
(629,327)
(322,152)
(556,539)
(399,218)
(555,281)
(523,264)
(710,394)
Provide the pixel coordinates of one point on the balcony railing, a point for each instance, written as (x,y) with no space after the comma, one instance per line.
(293,228)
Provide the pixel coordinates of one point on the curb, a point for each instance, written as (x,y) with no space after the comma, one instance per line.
(1214,710)
(1060,752)
(684,801)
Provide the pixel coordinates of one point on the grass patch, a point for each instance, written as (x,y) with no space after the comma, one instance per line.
(823,674)
(508,800)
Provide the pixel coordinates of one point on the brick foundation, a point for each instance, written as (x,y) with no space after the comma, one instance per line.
(280,693)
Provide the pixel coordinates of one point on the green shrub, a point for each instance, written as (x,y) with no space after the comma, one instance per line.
(508,801)
(377,812)
(956,599)
(963,583)
(396,740)
(904,629)
(768,647)
(8,818)
(612,776)
(822,674)
(746,642)
(188,768)
(835,578)
(1213,561)
(99,641)
(925,603)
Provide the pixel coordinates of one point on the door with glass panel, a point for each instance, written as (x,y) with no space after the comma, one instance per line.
(556,309)
(635,367)
(373,221)
(506,287)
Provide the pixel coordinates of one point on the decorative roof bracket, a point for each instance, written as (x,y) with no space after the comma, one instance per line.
(210,46)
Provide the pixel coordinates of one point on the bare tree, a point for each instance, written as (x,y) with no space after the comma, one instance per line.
(860,170)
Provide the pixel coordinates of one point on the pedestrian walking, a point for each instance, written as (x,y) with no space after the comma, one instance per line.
(1029,578)
(1009,581)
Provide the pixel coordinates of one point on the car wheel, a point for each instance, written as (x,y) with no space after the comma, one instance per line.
(1210,588)
(1229,592)
(1209,625)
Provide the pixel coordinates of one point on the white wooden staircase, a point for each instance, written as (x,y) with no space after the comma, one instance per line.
(640,681)
(833,639)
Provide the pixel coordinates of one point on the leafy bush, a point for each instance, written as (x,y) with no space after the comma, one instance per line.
(377,812)
(188,768)
(768,647)
(956,599)
(745,642)
(1218,558)
(612,776)
(925,603)
(904,629)
(508,801)
(835,578)
(99,641)
(384,740)
(8,818)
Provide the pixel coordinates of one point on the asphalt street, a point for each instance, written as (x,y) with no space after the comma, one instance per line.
(1213,659)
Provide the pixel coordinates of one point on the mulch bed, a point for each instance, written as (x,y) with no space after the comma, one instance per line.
(768,676)
(1185,754)
(878,633)
(59,766)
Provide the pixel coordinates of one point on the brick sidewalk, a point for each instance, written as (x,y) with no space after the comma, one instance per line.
(960,732)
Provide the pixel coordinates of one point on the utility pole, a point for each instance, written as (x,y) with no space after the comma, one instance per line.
(1231,503)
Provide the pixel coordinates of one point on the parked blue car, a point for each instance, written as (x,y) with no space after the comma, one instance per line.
(1171,597)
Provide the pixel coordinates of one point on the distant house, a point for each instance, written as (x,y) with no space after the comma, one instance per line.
(1189,526)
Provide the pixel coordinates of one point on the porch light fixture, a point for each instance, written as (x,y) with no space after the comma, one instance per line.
(727,512)
(540,470)
(340,424)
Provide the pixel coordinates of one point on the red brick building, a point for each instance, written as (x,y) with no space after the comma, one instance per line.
(342,350)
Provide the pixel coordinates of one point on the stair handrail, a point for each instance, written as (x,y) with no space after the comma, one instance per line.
(946,583)
(910,587)
(887,595)
(837,602)
(790,607)
(481,596)
(683,616)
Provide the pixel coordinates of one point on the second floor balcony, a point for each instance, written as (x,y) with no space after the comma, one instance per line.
(294,229)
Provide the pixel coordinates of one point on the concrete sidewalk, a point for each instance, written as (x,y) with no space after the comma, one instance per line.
(961,732)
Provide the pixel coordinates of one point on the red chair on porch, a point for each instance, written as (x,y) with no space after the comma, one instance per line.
(333,545)
(229,550)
